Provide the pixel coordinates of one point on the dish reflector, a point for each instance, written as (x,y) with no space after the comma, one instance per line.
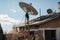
(28,8)
(49,11)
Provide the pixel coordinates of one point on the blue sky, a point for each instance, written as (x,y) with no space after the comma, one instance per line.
(11,13)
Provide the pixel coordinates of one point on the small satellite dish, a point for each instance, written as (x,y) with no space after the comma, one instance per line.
(49,11)
(28,8)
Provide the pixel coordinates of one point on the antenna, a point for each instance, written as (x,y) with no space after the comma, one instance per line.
(28,9)
(40,11)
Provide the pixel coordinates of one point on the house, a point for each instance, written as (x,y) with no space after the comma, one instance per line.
(42,28)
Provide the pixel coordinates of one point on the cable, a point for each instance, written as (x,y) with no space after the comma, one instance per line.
(21,19)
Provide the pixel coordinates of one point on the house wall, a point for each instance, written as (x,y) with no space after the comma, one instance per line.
(58,33)
(55,23)
(52,25)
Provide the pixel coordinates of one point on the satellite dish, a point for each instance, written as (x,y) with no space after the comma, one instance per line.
(49,11)
(28,8)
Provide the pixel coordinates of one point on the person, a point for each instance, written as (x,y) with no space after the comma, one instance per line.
(27,17)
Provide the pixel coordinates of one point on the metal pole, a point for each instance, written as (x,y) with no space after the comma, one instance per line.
(27,17)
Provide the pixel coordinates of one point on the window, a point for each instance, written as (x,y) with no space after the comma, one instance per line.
(50,34)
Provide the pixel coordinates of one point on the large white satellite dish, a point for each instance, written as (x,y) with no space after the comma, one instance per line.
(28,8)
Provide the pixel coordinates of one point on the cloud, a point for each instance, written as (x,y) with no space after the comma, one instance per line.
(13,10)
(5,19)
(7,22)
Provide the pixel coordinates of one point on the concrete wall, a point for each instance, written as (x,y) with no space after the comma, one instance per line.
(58,33)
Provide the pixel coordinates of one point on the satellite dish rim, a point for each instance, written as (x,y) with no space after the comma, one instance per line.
(28,7)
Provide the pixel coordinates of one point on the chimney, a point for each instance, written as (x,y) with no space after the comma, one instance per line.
(58,6)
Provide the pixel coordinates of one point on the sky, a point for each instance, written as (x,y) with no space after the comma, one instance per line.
(11,13)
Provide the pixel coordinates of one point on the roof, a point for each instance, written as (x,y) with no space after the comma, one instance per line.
(42,19)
